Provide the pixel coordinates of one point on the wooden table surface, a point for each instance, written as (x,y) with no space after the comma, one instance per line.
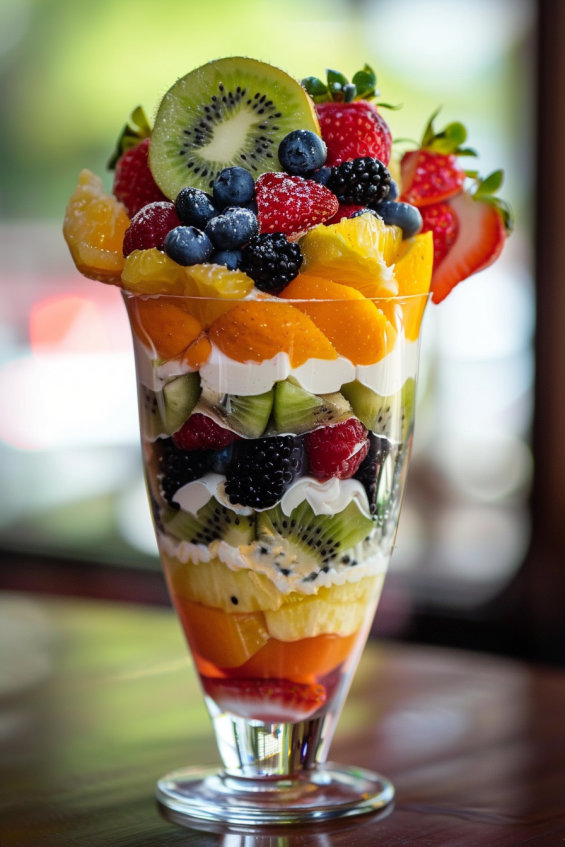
(97,700)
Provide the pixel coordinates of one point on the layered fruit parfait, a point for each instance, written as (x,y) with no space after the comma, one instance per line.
(276,263)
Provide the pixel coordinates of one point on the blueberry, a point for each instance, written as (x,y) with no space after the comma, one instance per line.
(233,228)
(195,207)
(322,176)
(187,245)
(221,459)
(230,258)
(252,206)
(301,152)
(233,187)
(407,217)
(393,191)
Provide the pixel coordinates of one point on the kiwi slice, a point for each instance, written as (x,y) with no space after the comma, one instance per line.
(246,415)
(296,411)
(308,542)
(229,112)
(164,412)
(213,522)
(390,416)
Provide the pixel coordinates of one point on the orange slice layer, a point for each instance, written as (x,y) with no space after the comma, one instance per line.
(355,326)
(160,323)
(257,330)
(413,273)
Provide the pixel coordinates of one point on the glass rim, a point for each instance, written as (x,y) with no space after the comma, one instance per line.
(397,298)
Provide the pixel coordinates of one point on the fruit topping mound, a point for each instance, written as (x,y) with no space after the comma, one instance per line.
(230,195)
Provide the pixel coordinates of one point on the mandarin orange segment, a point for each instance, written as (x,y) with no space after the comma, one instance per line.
(259,329)
(198,353)
(305,660)
(413,272)
(355,326)
(160,324)
(356,251)
(94,227)
(152,272)
(226,641)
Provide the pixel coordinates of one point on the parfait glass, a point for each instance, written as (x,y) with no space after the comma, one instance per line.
(276,436)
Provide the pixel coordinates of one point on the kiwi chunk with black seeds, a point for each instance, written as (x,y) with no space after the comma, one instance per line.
(213,522)
(229,112)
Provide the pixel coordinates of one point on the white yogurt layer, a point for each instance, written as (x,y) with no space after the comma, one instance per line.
(325,498)
(371,562)
(319,376)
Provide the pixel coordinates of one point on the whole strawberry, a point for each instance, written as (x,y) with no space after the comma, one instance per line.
(292,204)
(433,173)
(150,227)
(351,126)
(134,185)
(338,450)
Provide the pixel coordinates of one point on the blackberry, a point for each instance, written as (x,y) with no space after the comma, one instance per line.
(369,471)
(177,467)
(262,470)
(271,261)
(360,182)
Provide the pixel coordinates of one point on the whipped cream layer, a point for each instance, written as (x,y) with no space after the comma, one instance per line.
(319,376)
(325,498)
(370,561)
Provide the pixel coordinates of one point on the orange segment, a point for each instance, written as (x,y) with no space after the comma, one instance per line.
(257,330)
(300,661)
(226,641)
(198,353)
(413,272)
(356,251)
(94,227)
(160,324)
(357,328)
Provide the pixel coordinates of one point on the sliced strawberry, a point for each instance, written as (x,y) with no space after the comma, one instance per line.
(291,204)
(429,177)
(268,700)
(480,240)
(441,220)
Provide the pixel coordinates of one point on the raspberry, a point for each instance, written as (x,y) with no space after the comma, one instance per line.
(200,432)
(362,182)
(262,470)
(134,185)
(271,261)
(291,204)
(338,450)
(177,468)
(150,227)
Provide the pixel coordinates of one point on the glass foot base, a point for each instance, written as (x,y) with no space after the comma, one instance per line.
(327,793)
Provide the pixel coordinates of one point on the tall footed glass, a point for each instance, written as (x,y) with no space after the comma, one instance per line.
(276,438)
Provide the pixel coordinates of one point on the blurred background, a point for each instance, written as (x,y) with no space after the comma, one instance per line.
(73,514)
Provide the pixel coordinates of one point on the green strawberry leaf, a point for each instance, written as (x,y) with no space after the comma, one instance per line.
(336,77)
(365,82)
(336,91)
(505,210)
(448,140)
(130,136)
(466,151)
(394,107)
(429,133)
(489,185)
(472,174)
(317,89)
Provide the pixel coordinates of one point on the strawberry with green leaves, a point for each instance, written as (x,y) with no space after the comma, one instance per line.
(134,185)
(482,222)
(351,125)
(433,173)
